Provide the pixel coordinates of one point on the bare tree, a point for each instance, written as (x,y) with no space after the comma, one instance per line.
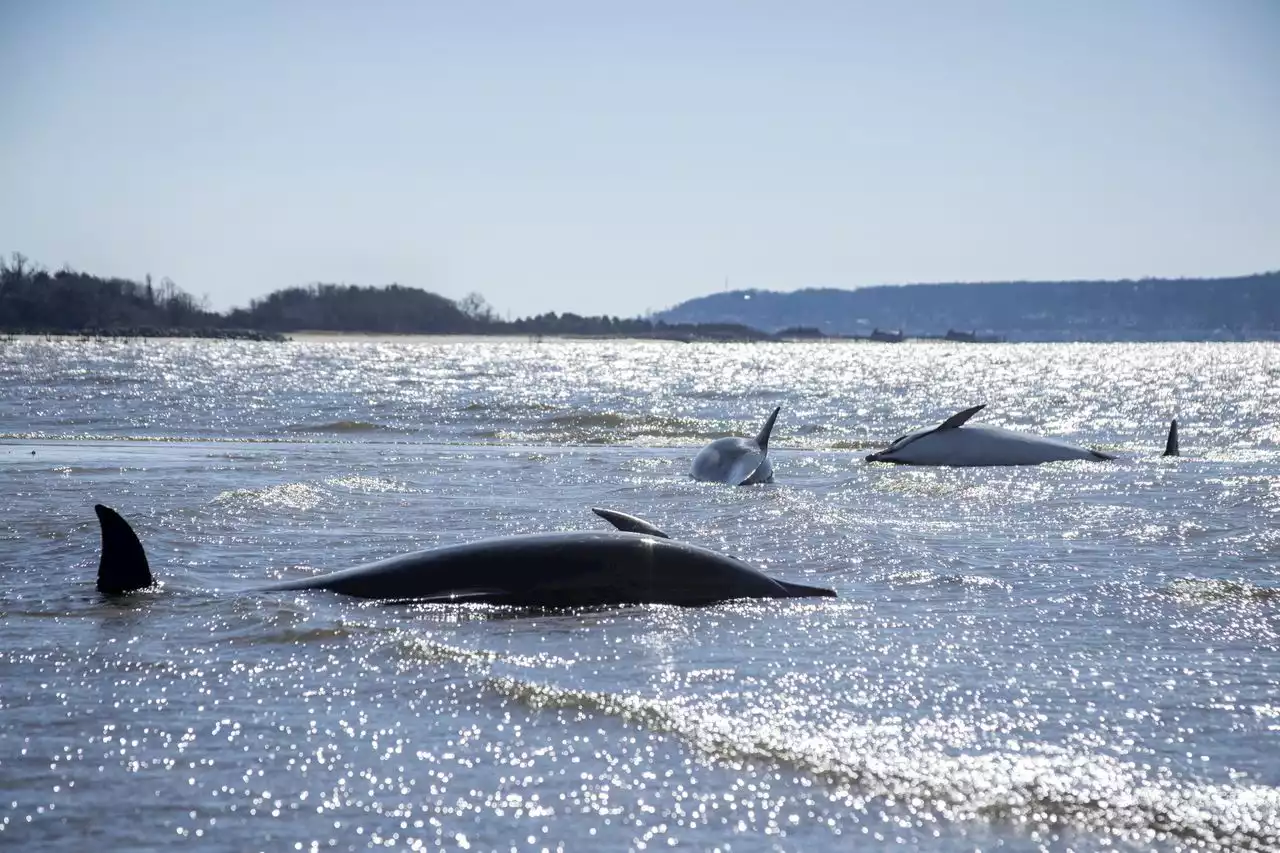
(475,307)
(19,263)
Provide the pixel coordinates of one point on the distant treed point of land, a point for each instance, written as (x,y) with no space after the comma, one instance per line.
(36,301)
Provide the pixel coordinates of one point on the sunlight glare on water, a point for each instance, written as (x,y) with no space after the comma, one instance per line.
(1075,656)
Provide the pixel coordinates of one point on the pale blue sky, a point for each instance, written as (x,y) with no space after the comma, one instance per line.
(618,157)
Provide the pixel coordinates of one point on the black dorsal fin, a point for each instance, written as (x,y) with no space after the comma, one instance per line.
(959,418)
(763,438)
(628,523)
(1171,443)
(123,567)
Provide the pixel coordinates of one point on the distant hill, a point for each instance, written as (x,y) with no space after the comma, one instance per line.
(1244,308)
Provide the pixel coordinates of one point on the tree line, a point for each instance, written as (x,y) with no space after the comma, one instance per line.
(34,300)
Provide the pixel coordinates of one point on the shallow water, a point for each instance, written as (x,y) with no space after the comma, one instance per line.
(1077,656)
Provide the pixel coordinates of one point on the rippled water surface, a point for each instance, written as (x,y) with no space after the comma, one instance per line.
(1076,656)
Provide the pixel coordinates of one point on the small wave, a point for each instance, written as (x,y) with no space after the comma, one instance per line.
(1208,590)
(859,444)
(159,439)
(338,426)
(499,436)
(589,420)
(924,577)
(523,407)
(291,636)
(944,483)
(359,483)
(1037,784)
(68,470)
(287,495)
(111,379)
(614,428)
(425,650)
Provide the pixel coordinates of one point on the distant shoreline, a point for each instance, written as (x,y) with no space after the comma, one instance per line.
(77,305)
(314,336)
(331,337)
(322,336)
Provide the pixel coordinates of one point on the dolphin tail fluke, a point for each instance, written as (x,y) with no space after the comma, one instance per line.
(628,523)
(1171,443)
(123,567)
(763,438)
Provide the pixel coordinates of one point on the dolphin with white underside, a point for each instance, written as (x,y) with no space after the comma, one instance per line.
(735,460)
(635,564)
(954,443)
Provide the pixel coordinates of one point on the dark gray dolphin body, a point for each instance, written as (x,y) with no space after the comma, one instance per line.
(532,570)
(735,460)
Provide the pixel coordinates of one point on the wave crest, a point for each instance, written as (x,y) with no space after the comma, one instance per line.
(1210,590)
(343,426)
(1040,784)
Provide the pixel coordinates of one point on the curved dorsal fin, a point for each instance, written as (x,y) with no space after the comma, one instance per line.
(123,567)
(959,418)
(763,438)
(1171,443)
(628,523)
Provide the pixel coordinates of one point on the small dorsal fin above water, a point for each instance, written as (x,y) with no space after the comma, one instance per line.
(123,567)
(762,438)
(960,418)
(628,523)
(1171,443)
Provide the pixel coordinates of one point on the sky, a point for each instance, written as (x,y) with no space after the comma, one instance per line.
(618,158)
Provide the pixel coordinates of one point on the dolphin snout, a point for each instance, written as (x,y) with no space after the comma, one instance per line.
(873,457)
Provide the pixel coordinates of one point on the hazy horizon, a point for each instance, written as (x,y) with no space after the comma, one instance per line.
(615,160)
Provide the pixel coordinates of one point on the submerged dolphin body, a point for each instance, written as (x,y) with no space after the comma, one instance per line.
(735,460)
(636,564)
(954,444)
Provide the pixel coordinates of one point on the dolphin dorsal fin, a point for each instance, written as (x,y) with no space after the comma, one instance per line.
(628,523)
(1171,443)
(959,418)
(763,438)
(123,567)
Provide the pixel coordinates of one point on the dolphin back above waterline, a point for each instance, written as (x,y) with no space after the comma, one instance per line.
(735,460)
(589,568)
(955,443)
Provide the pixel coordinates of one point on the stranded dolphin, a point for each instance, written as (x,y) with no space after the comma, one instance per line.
(636,564)
(953,443)
(735,460)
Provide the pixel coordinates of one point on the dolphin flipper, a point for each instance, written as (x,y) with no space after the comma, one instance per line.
(1171,443)
(628,523)
(762,438)
(743,472)
(959,418)
(123,567)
